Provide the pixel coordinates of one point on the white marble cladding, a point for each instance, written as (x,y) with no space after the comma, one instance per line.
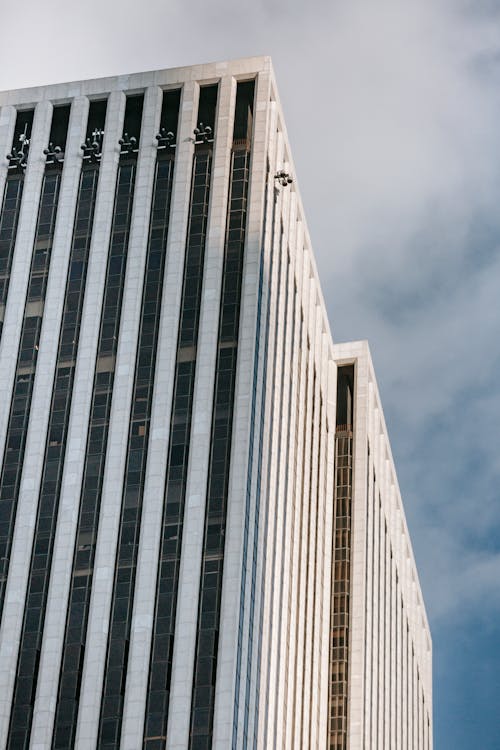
(390,647)
(273,662)
(283,682)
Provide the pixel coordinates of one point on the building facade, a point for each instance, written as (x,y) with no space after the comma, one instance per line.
(381,684)
(202,543)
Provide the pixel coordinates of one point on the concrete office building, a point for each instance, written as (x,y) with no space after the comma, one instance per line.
(202,541)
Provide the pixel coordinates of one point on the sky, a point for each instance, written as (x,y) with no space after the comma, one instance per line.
(393,112)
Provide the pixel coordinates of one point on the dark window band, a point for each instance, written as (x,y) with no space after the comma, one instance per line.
(9,219)
(11,203)
(341,578)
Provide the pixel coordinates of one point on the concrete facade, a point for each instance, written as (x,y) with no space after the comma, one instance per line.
(390,648)
(267,679)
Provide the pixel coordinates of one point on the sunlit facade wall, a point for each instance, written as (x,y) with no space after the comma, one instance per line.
(381,657)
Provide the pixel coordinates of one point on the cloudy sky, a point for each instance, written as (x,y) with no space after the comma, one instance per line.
(393,111)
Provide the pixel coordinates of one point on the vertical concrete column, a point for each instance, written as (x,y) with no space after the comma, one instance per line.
(386,719)
(428,684)
(411,744)
(286,480)
(241,434)
(321,642)
(414,663)
(425,738)
(393,664)
(201,424)
(308,530)
(151,528)
(309,656)
(14,311)
(380,583)
(360,528)
(398,553)
(404,675)
(286,475)
(399,657)
(330,403)
(305,437)
(315,536)
(55,619)
(382,590)
(406,740)
(41,400)
(102,588)
(377,616)
(390,613)
(301,364)
(417,707)
(367,673)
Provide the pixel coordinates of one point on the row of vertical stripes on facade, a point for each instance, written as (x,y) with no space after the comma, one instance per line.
(282,324)
(264,305)
(204,681)
(250,468)
(74,644)
(136,456)
(83,559)
(167,574)
(15,442)
(391,694)
(396,711)
(276,199)
(287,534)
(45,529)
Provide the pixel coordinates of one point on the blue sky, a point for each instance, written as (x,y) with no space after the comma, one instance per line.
(393,111)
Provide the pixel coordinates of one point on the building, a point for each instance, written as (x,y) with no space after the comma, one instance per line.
(377,606)
(202,541)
